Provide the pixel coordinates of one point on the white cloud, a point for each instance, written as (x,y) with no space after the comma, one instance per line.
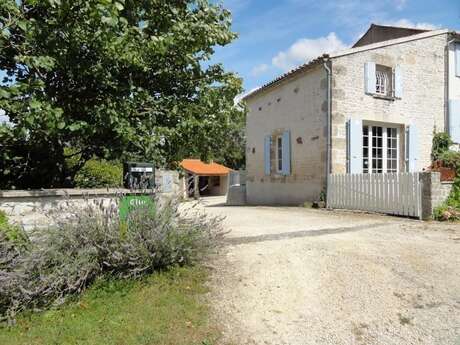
(260,69)
(400,4)
(406,23)
(307,49)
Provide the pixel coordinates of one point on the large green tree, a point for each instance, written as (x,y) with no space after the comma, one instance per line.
(113,79)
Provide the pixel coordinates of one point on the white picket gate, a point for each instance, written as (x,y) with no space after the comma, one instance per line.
(397,194)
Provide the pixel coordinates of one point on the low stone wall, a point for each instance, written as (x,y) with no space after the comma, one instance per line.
(40,208)
(35,209)
(168,181)
(434,192)
(236,195)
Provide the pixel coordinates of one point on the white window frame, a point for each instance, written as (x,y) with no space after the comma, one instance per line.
(381,84)
(384,78)
(385,128)
(278,150)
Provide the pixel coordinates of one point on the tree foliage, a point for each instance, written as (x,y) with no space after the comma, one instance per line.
(441,144)
(109,79)
(100,174)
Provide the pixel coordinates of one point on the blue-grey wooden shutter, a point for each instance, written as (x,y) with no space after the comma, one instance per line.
(286,154)
(267,147)
(454,120)
(412,148)
(398,82)
(369,77)
(355,146)
(457,59)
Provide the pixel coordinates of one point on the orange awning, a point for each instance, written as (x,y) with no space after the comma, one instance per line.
(197,167)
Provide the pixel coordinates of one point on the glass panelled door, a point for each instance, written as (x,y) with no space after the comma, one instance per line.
(392,157)
(380,149)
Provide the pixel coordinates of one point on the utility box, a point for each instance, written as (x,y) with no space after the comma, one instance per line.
(139,175)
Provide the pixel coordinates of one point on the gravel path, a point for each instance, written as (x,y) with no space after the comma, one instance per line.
(297,276)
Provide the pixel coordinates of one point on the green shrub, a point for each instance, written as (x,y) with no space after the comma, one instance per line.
(450,209)
(13,233)
(3,218)
(65,259)
(451,159)
(446,213)
(100,174)
(441,144)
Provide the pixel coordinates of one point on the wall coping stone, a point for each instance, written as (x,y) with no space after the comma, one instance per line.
(7,194)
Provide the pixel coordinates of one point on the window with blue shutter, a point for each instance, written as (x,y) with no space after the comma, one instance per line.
(286,153)
(454,120)
(355,146)
(380,80)
(398,82)
(267,147)
(412,148)
(370,80)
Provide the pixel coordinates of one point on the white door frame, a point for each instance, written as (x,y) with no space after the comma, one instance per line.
(384,127)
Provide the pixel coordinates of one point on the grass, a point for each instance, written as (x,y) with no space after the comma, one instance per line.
(166,309)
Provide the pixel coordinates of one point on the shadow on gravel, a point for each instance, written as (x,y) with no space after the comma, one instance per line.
(301,233)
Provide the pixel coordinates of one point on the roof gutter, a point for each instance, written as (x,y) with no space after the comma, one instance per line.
(327,67)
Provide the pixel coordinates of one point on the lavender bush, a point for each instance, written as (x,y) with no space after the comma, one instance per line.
(64,259)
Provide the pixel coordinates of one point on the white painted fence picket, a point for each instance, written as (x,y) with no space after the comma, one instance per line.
(397,194)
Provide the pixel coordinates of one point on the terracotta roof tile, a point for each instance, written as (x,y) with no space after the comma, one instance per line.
(198,167)
(290,73)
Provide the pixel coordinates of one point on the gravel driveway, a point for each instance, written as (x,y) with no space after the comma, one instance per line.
(300,276)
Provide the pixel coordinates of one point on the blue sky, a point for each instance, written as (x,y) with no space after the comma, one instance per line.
(276,35)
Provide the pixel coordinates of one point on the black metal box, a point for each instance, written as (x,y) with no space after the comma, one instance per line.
(138,175)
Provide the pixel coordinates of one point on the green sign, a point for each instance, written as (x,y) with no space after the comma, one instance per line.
(133,202)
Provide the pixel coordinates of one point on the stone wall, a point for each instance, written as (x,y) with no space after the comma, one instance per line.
(298,105)
(236,195)
(422,103)
(167,181)
(434,192)
(41,208)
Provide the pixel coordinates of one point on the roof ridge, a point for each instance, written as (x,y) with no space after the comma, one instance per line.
(344,52)
(283,76)
(400,27)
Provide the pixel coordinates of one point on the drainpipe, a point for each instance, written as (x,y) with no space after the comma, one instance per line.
(447,115)
(326,65)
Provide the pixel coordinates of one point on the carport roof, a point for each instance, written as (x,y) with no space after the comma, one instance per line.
(197,167)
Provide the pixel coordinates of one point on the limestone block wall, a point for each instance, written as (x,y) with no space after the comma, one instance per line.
(298,104)
(42,208)
(236,195)
(434,192)
(36,209)
(423,64)
(168,181)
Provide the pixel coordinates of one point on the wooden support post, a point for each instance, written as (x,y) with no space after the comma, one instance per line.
(196,183)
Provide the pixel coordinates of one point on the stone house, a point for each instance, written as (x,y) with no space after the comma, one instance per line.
(370,109)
